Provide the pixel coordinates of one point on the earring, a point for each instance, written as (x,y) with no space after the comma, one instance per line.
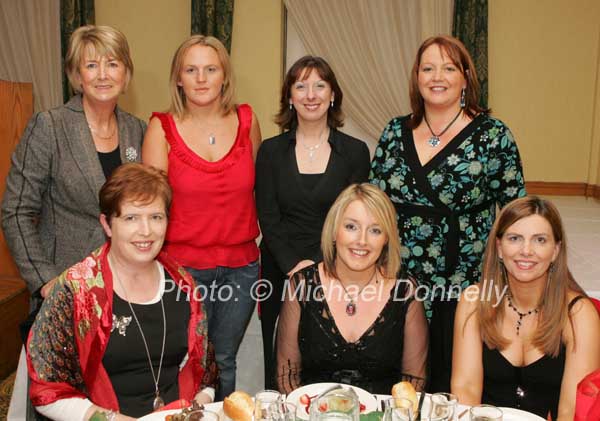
(291,106)
(332,103)
(462,98)
(551,268)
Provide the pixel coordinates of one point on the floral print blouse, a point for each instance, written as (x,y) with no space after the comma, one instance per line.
(447,206)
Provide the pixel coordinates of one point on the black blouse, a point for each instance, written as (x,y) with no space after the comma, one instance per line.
(292,216)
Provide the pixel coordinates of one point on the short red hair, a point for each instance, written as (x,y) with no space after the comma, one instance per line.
(133,182)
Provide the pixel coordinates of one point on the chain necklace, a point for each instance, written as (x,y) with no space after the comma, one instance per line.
(521,315)
(96,132)
(434,140)
(158,401)
(312,150)
(351,306)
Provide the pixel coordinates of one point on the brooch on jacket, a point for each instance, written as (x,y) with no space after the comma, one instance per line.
(131,154)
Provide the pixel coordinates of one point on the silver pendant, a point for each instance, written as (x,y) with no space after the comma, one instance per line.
(211,139)
(433,141)
(351,308)
(158,402)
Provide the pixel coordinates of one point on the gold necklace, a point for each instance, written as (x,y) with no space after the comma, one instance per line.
(96,132)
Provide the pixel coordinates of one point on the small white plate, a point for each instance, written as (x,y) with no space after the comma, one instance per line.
(366,398)
(512,414)
(216,407)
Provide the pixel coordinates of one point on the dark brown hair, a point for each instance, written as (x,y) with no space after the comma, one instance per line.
(133,182)
(286,118)
(457,52)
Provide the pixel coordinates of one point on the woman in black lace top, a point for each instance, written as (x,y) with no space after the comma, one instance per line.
(348,319)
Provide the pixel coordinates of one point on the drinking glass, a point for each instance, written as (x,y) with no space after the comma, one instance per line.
(398,409)
(337,405)
(201,415)
(443,406)
(282,411)
(485,413)
(262,400)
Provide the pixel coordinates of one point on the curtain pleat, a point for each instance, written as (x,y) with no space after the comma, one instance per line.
(215,18)
(30,48)
(73,14)
(370,44)
(471,27)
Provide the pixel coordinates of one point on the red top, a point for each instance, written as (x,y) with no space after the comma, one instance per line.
(212,220)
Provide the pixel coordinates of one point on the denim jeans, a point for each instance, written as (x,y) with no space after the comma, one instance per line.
(229,304)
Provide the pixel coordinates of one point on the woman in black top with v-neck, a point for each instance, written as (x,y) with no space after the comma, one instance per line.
(299,174)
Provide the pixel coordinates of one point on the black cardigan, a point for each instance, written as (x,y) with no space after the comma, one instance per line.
(291,218)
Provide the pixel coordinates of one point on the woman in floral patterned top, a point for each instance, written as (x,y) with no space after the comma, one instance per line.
(123,332)
(445,167)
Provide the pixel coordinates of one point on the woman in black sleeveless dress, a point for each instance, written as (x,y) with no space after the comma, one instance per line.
(526,334)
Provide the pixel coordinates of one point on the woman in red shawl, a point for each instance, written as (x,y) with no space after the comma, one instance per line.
(116,338)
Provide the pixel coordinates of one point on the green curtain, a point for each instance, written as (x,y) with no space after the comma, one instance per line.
(471,27)
(213,17)
(73,14)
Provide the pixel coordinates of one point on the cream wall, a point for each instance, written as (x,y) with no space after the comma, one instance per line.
(543,72)
(543,68)
(257,57)
(154,29)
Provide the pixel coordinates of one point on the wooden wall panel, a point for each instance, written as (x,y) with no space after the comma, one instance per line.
(16,107)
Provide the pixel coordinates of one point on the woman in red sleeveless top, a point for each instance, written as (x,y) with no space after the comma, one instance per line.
(207,144)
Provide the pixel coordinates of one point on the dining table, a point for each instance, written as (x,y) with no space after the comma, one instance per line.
(461,414)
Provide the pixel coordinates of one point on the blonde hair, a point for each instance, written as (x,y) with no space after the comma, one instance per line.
(382,209)
(553,306)
(178,99)
(105,41)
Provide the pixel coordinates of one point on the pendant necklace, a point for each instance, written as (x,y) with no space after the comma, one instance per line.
(212,139)
(434,140)
(351,306)
(158,401)
(312,150)
(521,315)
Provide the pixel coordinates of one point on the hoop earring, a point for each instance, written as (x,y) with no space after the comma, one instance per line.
(462,98)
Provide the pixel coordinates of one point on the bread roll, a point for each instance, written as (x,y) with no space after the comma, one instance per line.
(239,406)
(407,391)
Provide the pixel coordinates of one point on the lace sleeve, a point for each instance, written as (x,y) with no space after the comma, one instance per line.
(289,363)
(416,345)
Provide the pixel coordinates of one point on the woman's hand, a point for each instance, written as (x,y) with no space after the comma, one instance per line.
(96,413)
(300,265)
